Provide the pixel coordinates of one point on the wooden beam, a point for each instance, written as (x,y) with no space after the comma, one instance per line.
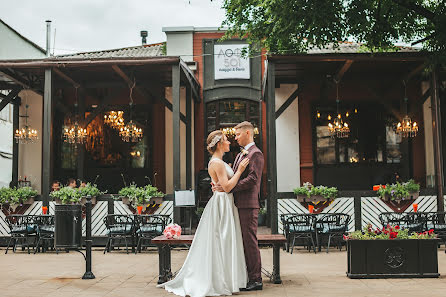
(9,75)
(338,76)
(144,92)
(176,141)
(436,127)
(15,145)
(194,84)
(8,99)
(271,145)
(47,137)
(66,77)
(189,172)
(414,71)
(288,102)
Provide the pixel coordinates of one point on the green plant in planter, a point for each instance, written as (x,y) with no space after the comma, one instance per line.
(9,196)
(67,195)
(140,195)
(90,189)
(309,190)
(399,191)
(262,211)
(26,192)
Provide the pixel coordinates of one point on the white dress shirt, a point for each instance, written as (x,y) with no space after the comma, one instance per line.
(249,145)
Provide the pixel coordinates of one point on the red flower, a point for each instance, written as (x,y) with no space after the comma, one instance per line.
(431,231)
(345,237)
(397,227)
(393,235)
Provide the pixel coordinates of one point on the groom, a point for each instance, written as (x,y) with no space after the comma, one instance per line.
(246,198)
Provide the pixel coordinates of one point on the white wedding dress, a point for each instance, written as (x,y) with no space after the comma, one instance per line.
(215,264)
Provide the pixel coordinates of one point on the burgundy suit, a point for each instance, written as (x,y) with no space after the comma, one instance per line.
(246,198)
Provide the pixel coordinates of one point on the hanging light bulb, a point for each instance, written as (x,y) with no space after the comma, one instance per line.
(26,134)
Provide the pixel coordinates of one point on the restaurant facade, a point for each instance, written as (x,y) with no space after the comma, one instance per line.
(195,83)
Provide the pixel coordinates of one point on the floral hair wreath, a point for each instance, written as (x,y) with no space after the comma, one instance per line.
(215,140)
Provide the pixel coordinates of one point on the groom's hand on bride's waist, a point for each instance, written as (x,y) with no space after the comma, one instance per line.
(217,188)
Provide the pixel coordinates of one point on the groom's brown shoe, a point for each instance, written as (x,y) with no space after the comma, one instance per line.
(253,286)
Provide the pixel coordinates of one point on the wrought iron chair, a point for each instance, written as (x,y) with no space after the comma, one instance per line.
(437,221)
(119,227)
(334,225)
(21,228)
(391,218)
(286,229)
(415,221)
(301,226)
(45,231)
(150,226)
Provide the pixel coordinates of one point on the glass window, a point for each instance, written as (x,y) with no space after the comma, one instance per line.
(232,112)
(326,153)
(393,142)
(372,138)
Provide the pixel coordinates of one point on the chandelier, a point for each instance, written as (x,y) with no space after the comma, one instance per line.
(75,134)
(130,132)
(26,134)
(406,127)
(231,131)
(114,119)
(338,128)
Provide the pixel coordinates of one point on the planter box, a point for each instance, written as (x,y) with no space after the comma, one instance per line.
(412,196)
(30,200)
(84,200)
(156,200)
(392,258)
(314,198)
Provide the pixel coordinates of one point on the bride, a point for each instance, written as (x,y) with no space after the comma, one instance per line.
(215,264)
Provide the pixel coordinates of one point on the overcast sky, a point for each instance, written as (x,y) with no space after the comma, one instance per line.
(90,25)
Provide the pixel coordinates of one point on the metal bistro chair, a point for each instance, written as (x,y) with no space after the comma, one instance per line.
(415,221)
(150,226)
(286,229)
(119,227)
(437,221)
(45,231)
(391,218)
(21,228)
(301,226)
(334,225)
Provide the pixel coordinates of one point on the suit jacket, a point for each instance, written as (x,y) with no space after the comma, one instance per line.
(247,191)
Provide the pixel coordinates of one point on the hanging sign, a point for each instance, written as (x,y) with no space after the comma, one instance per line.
(229,63)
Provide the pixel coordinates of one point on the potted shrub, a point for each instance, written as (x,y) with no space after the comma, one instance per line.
(26,195)
(310,193)
(89,189)
(12,197)
(391,252)
(139,197)
(262,217)
(399,191)
(127,194)
(66,195)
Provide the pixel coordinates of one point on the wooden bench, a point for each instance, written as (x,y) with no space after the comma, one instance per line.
(164,247)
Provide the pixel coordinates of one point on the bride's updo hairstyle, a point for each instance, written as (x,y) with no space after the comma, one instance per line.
(213,139)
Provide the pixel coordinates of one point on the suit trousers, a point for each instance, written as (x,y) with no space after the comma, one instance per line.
(249,223)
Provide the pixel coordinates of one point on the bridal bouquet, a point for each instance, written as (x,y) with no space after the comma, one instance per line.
(172,231)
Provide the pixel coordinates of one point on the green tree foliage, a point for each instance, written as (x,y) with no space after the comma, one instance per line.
(294,26)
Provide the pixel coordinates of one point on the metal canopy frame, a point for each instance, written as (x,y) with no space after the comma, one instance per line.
(43,75)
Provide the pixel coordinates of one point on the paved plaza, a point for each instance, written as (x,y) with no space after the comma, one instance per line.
(119,274)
